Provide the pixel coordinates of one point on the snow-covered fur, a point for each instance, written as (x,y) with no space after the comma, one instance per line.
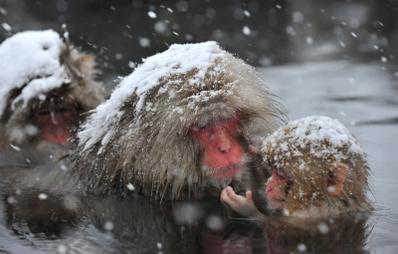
(38,67)
(143,139)
(306,151)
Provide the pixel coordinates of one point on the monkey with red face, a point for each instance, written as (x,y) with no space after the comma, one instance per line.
(45,86)
(316,168)
(177,128)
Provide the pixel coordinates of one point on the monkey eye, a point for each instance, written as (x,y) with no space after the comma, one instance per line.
(198,132)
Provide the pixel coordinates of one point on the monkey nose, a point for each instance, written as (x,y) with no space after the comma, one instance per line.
(223,149)
(224,146)
(223,142)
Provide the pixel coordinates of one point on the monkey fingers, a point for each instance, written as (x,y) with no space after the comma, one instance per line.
(240,204)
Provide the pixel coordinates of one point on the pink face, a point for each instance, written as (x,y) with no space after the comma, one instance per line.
(55,126)
(221,149)
(275,189)
(278,186)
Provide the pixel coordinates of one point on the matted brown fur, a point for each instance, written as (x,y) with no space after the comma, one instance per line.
(153,150)
(308,175)
(83,90)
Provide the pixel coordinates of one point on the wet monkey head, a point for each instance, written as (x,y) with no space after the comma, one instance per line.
(181,122)
(316,168)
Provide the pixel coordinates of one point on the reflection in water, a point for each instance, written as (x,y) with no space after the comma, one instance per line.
(238,237)
(347,235)
(72,223)
(97,224)
(133,225)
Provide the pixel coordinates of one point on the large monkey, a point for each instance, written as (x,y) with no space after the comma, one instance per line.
(177,127)
(45,85)
(317,169)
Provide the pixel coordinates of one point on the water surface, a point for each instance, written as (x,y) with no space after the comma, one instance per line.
(361,95)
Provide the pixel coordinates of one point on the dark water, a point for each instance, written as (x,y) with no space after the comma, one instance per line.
(130,225)
(361,95)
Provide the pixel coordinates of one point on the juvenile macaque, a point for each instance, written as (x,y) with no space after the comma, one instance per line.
(45,85)
(316,168)
(177,127)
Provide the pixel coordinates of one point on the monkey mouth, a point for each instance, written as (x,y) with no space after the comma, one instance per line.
(225,172)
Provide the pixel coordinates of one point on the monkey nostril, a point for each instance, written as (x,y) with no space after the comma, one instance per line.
(224,149)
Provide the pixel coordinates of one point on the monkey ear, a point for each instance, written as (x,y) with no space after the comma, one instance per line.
(337,177)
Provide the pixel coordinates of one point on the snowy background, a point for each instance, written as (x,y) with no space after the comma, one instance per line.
(335,58)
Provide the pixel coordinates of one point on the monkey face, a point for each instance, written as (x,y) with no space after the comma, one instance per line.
(276,188)
(222,154)
(56,118)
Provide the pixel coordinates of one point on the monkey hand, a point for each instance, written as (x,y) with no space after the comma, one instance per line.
(243,205)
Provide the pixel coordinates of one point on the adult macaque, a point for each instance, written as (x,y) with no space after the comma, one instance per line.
(177,127)
(45,85)
(317,170)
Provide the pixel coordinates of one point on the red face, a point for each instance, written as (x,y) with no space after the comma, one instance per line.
(55,126)
(221,149)
(275,188)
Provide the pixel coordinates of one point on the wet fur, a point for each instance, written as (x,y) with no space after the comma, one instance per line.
(314,178)
(153,149)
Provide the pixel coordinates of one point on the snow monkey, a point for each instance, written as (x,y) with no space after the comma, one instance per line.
(45,84)
(178,127)
(316,168)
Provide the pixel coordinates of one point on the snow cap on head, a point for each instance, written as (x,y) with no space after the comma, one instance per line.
(178,59)
(322,135)
(30,60)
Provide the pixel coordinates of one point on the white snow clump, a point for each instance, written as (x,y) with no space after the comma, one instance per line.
(30,61)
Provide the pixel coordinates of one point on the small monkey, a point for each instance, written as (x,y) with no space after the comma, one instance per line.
(316,168)
(177,127)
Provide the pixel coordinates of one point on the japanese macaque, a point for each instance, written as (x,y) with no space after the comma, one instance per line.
(316,168)
(45,85)
(178,127)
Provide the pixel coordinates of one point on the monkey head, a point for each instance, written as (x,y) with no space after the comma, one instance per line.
(180,122)
(45,84)
(317,168)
